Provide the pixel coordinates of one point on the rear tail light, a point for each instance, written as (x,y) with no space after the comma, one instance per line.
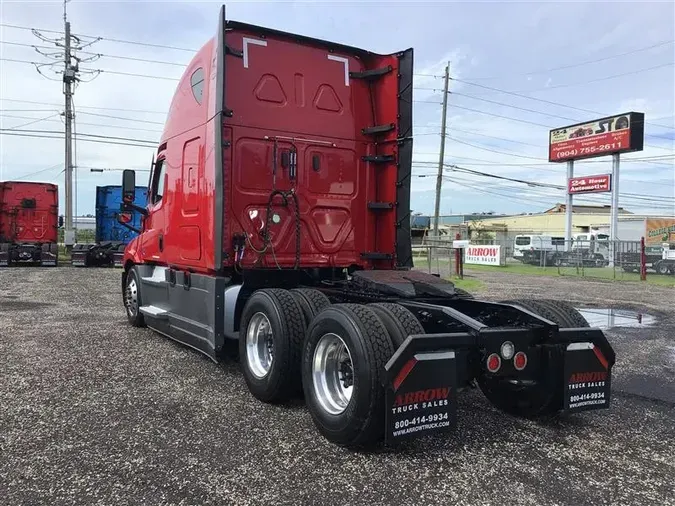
(520,361)
(494,363)
(507,350)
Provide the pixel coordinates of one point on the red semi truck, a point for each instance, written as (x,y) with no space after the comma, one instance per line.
(28,223)
(278,217)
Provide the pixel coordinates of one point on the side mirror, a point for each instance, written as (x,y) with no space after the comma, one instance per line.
(128,185)
(61,221)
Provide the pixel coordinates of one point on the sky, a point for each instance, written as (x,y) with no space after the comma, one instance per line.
(518,70)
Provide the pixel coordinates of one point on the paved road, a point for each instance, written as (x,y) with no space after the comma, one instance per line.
(93,411)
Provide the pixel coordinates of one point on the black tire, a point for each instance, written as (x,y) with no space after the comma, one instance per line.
(535,306)
(132,298)
(573,318)
(282,381)
(661,268)
(361,423)
(398,320)
(311,302)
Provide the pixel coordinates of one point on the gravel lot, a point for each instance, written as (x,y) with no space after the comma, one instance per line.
(93,411)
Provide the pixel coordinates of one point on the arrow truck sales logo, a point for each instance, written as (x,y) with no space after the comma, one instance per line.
(421,399)
(484,255)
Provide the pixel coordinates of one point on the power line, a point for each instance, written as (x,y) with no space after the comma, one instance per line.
(99,125)
(81,135)
(39,171)
(511,106)
(623,160)
(549,102)
(539,112)
(580,64)
(31,122)
(120,41)
(606,78)
(79,107)
(495,150)
(60,137)
(106,71)
(100,55)
(121,118)
(629,195)
(455,106)
(131,74)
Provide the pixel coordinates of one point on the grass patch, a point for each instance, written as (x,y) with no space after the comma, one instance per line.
(64,256)
(471,285)
(606,273)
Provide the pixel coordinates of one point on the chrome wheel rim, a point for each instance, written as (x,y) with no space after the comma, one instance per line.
(131,296)
(332,374)
(259,345)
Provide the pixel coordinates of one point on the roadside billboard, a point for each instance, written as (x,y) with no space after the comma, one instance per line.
(623,133)
(589,184)
(659,230)
(483,255)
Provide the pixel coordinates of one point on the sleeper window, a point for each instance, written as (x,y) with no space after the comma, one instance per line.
(197,83)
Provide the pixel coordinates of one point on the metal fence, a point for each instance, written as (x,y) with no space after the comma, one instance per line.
(621,260)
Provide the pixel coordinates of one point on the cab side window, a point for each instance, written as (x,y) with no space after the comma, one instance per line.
(158,180)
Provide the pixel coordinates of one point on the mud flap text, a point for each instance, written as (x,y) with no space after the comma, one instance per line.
(422,399)
(587,378)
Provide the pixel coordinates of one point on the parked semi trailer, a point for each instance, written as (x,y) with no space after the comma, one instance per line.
(278,217)
(28,223)
(111,236)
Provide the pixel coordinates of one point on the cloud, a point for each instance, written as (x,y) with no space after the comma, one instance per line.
(507,140)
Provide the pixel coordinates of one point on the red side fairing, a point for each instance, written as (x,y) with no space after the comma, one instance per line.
(179,228)
(294,95)
(28,212)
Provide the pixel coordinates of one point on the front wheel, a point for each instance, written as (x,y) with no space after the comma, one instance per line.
(132,298)
(345,351)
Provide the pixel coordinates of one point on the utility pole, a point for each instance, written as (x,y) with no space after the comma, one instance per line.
(439,178)
(69,77)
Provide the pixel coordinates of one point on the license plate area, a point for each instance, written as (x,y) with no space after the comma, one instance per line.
(587,378)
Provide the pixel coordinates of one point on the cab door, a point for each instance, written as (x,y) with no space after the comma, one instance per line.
(152,239)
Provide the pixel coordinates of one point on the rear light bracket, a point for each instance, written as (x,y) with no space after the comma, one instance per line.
(371,74)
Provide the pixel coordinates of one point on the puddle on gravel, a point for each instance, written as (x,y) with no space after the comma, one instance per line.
(610,318)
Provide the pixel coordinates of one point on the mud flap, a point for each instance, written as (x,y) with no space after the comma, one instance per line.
(421,399)
(48,260)
(118,258)
(48,255)
(587,378)
(78,258)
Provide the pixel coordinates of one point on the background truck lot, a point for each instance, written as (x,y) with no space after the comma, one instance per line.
(93,411)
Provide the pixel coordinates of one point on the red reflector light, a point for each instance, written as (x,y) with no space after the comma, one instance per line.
(494,363)
(520,361)
(125,217)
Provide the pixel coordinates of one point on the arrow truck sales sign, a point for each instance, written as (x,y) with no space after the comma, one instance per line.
(623,133)
(589,184)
